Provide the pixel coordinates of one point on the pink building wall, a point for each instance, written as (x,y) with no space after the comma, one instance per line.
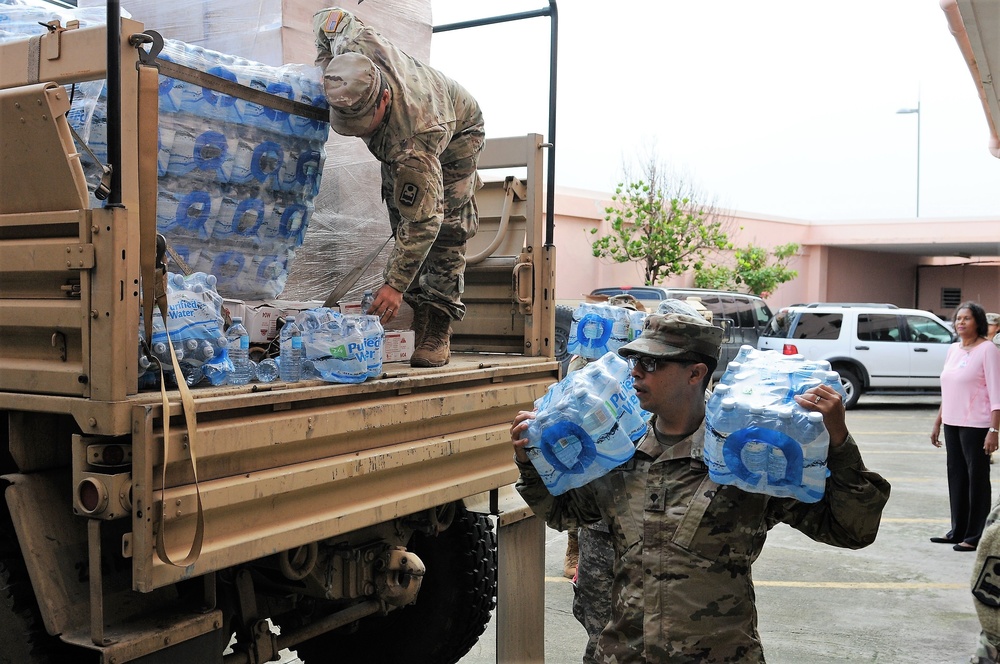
(866,270)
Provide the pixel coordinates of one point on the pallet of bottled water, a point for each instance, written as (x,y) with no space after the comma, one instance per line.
(757,437)
(236,179)
(585,425)
(599,328)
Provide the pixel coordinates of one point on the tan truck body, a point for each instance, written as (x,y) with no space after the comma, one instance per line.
(283,470)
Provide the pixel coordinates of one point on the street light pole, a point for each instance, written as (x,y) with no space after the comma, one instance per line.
(904,111)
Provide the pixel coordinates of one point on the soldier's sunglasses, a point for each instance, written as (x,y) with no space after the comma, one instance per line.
(651,364)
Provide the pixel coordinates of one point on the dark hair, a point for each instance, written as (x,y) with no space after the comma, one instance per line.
(707,360)
(978,315)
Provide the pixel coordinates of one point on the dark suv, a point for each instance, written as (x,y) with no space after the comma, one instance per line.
(745,316)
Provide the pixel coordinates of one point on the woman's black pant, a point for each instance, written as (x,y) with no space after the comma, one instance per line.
(968,482)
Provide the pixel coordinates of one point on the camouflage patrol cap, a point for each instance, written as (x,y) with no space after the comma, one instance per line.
(993,319)
(353,85)
(671,335)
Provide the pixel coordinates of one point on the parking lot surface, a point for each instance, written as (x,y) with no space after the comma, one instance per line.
(901,600)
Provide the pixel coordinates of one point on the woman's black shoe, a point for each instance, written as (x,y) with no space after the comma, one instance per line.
(944,540)
(964,546)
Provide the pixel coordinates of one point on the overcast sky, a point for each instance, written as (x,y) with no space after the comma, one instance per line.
(779,107)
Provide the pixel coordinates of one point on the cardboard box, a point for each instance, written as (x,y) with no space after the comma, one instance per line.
(397,346)
(236,309)
(261,320)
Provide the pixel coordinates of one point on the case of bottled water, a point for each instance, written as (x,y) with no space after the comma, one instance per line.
(598,328)
(336,347)
(586,425)
(757,437)
(195,323)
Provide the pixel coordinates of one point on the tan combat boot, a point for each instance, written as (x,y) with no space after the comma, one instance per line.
(419,325)
(435,348)
(572,559)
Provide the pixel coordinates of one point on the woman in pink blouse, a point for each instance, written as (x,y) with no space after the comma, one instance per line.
(970,413)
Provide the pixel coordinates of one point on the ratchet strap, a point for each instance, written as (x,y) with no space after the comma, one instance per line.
(154,289)
(219,84)
(187,405)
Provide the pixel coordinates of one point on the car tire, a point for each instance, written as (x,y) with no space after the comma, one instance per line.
(564,322)
(852,386)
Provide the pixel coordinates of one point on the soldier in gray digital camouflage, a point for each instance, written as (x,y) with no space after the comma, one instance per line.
(683,545)
(427,131)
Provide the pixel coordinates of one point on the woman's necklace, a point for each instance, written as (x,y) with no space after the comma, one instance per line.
(970,346)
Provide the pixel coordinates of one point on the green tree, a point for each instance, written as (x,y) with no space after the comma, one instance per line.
(718,277)
(662,223)
(758,270)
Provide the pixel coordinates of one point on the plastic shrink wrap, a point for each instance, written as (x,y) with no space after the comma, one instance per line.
(271,32)
(347,217)
(757,437)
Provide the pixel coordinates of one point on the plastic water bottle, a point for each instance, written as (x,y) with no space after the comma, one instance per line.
(290,367)
(366,301)
(239,353)
(732,370)
(719,394)
(619,328)
(636,321)
(267,370)
(374,336)
(832,379)
(744,353)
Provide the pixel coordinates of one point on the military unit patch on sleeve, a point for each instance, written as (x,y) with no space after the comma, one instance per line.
(987,586)
(409,193)
(333,21)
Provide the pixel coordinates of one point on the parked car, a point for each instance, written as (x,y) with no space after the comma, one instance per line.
(743,316)
(872,346)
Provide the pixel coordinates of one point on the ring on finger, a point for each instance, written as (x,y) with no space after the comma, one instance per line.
(816,400)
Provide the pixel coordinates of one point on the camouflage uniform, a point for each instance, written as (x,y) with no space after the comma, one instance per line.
(984,594)
(429,146)
(595,571)
(592,592)
(682,589)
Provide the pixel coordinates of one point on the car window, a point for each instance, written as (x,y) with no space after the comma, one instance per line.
(878,327)
(812,325)
(926,330)
(778,326)
(743,312)
(761,313)
(714,304)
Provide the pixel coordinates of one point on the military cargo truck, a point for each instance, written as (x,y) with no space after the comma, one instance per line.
(138,527)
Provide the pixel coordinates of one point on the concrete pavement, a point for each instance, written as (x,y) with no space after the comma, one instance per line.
(901,600)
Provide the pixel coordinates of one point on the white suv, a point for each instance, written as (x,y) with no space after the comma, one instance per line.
(872,346)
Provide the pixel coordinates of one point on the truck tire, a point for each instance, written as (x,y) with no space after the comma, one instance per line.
(564,322)
(452,611)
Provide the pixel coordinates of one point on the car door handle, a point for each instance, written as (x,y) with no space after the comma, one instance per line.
(861,348)
(919,350)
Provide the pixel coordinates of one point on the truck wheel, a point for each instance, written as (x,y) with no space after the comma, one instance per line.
(564,322)
(452,610)
(852,385)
